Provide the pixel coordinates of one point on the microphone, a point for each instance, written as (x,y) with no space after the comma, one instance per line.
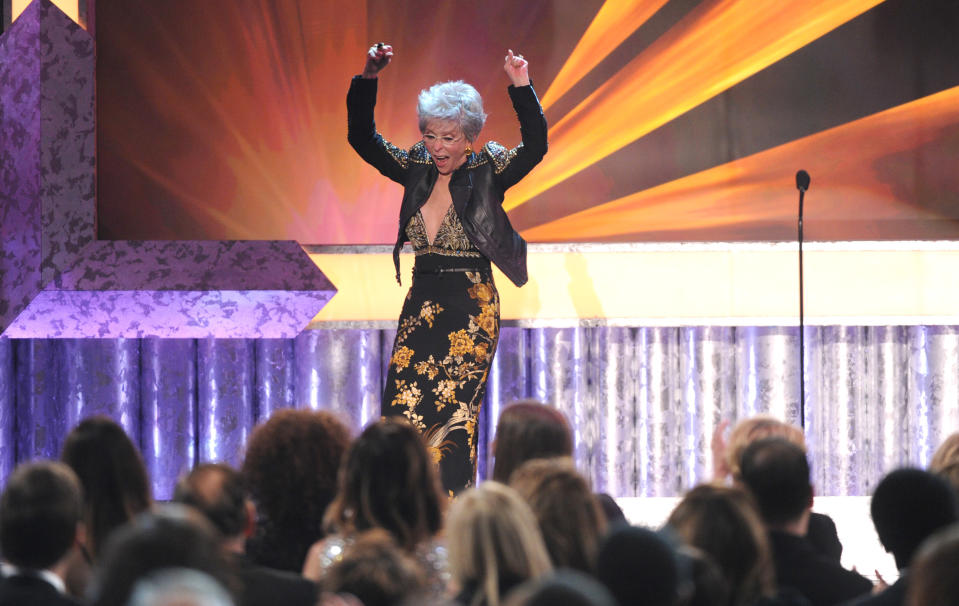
(802,184)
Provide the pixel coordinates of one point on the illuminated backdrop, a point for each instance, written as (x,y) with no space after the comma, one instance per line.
(670,121)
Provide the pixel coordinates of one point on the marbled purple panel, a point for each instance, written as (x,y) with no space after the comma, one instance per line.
(168,313)
(194,265)
(20,242)
(68,137)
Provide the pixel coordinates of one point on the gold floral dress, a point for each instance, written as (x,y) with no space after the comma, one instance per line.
(445,342)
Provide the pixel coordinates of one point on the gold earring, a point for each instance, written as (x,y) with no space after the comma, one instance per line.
(469,150)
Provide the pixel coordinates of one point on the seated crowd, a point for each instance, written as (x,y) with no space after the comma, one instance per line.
(314,517)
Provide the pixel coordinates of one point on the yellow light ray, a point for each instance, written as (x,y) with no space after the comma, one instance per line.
(759,187)
(615,21)
(70,7)
(719,44)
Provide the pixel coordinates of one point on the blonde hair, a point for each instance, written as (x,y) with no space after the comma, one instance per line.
(755,428)
(493,535)
(945,461)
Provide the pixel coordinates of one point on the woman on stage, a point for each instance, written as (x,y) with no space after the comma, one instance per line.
(452,215)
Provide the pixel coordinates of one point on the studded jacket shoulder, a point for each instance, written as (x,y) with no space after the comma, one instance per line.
(477,187)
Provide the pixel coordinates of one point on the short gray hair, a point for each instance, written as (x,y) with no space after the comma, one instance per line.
(455,101)
(170,586)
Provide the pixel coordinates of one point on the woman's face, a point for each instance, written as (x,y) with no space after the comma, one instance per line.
(446,143)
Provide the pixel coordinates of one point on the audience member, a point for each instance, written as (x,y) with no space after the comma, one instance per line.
(563,587)
(179,587)
(40,523)
(115,488)
(388,481)
(723,523)
(530,430)
(776,473)
(945,461)
(375,570)
(569,516)
(932,577)
(171,536)
(821,531)
(908,506)
(290,470)
(702,583)
(639,567)
(494,544)
(217,491)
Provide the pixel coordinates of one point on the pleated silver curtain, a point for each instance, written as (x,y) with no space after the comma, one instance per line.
(643,401)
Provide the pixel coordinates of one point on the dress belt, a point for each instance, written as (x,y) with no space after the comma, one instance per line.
(447,270)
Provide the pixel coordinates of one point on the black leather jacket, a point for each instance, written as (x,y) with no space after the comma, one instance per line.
(476,187)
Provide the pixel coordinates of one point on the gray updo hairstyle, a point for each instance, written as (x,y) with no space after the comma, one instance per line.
(456,101)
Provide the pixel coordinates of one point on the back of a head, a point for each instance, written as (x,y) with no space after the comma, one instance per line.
(39,512)
(375,570)
(494,541)
(216,490)
(115,482)
(179,587)
(389,481)
(170,537)
(932,575)
(776,473)
(723,523)
(907,507)
(565,587)
(529,430)
(945,461)
(568,513)
(755,428)
(638,567)
(290,470)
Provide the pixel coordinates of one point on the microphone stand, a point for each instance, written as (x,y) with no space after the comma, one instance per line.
(802,184)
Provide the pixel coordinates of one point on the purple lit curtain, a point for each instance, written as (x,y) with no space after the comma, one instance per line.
(643,401)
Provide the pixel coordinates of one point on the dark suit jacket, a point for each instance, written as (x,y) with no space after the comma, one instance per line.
(822,581)
(23,590)
(263,586)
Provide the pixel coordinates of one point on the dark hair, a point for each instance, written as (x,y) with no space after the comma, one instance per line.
(39,512)
(723,523)
(529,430)
(568,514)
(375,570)
(776,472)
(215,490)
(290,471)
(908,506)
(639,567)
(111,471)
(173,536)
(388,481)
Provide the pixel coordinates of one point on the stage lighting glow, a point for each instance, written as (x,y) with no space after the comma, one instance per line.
(717,45)
(615,21)
(759,186)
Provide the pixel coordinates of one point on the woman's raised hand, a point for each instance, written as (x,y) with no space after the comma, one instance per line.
(517,68)
(377,58)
